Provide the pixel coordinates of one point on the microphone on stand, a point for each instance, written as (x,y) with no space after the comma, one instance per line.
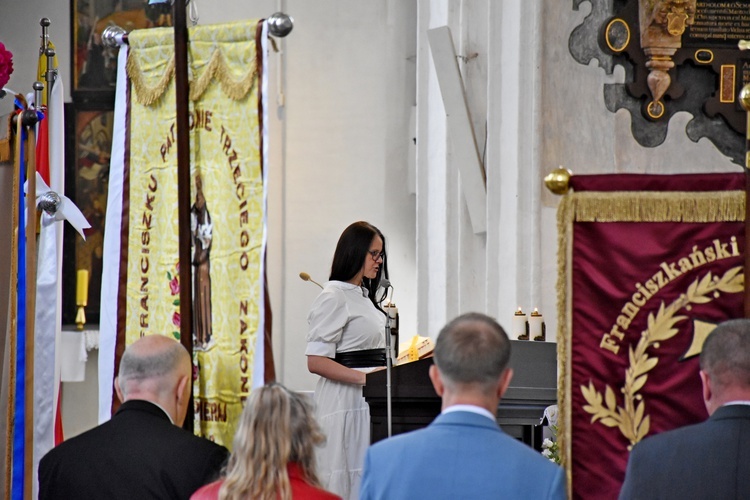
(306,277)
(386,284)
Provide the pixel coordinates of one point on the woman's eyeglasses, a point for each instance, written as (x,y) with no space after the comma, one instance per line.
(376,255)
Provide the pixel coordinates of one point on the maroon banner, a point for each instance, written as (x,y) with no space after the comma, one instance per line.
(644,295)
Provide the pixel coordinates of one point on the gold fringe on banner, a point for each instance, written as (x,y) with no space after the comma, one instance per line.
(217,68)
(564,247)
(143,93)
(652,206)
(619,206)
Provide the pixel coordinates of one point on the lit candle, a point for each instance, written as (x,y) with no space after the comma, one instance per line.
(82,287)
(536,325)
(519,325)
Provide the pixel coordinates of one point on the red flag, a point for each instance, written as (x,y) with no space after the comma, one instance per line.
(42,148)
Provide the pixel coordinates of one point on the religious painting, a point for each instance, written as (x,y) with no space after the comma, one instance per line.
(94,65)
(87,185)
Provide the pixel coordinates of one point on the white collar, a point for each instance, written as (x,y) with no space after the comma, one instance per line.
(738,402)
(345,285)
(470,408)
(165,411)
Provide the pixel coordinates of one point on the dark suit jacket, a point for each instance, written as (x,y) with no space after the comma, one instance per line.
(139,453)
(459,455)
(706,460)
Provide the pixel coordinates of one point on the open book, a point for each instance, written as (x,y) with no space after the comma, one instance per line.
(414,349)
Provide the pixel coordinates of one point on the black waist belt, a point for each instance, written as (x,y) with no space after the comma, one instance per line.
(361,359)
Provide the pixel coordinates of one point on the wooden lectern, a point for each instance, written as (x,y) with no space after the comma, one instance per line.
(415,403)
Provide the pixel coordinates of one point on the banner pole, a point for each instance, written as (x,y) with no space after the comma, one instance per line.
(183,185)
(745,101)
(30,120)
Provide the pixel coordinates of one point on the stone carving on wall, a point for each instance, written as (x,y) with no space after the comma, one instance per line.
(678,55)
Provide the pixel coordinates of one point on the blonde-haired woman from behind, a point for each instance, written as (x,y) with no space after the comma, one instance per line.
(274,451)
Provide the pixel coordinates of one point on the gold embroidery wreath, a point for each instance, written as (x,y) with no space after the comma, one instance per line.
(631,419)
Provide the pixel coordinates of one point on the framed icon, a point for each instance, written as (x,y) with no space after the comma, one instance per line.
(94,65)
(87,184)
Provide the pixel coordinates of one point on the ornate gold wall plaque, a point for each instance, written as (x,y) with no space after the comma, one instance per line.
(686,58)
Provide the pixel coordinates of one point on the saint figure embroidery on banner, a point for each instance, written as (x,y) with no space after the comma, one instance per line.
(201,229)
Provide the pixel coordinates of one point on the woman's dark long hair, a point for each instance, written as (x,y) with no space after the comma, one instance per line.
(351,252)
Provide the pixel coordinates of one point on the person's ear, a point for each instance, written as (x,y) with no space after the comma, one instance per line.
(118,391)
(707,392)
(182,395)
(504,381)
(437,382)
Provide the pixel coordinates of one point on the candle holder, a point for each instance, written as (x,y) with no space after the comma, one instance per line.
(82,295)
(537,328)
(520,325)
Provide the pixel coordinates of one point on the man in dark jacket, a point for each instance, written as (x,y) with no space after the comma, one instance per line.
(142,452)
(710,459)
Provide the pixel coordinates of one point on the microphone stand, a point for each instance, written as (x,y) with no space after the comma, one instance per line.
(388,366)
(385,284)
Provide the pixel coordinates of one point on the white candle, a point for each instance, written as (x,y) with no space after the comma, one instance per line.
(536,325)
(519,324)
(392,311)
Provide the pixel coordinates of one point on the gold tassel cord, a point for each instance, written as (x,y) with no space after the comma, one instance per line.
(13,308)
(216,69)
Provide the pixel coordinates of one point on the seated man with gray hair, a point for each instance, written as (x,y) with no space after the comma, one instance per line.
(463,453)
(142,452)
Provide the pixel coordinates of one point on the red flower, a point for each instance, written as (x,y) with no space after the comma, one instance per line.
(176,319)
(174,286)
(6,65)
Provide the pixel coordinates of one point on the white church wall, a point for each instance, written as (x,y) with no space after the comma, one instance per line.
(20,32)
(348,80)
(496,270)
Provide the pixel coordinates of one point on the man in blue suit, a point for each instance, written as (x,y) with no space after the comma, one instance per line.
(463,453)
(710,459)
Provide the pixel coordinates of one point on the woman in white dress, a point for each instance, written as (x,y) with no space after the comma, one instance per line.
(346,339)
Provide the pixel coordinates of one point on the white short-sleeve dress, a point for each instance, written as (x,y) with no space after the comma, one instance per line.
(343,319)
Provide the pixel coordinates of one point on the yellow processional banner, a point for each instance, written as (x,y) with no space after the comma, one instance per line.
(227,212)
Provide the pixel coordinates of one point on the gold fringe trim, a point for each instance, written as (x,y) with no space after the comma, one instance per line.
(619,206)
(217,68)
(652,206)
(143,93)
(565,213)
